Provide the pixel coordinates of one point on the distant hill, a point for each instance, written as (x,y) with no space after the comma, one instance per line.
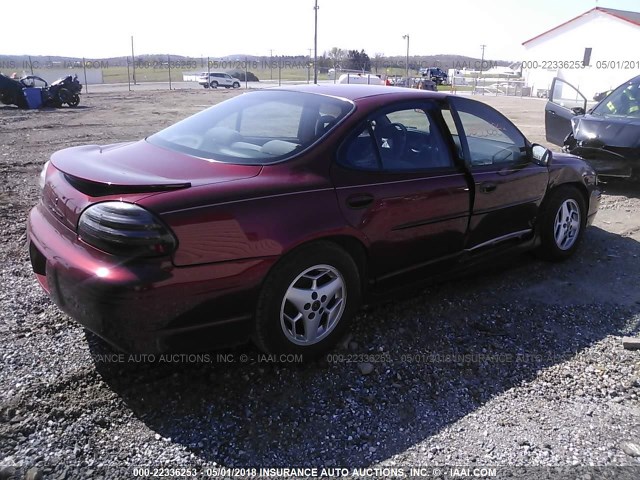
(378,64)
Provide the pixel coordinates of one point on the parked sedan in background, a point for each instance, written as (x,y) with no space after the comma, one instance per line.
(607,136)
(273,215)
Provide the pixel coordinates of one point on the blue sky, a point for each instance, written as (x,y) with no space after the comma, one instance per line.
(98,29)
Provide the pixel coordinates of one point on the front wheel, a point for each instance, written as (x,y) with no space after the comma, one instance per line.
(307,301)
(236,85)
(64,96)
(562,223)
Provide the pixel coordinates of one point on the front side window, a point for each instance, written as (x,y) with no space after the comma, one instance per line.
(255,128)
(397,140)
(566,95)
(624,101)
(491,138)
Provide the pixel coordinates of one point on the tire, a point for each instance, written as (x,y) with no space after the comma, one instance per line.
(236,85)
(325,304)
(213,84)
(206,85)
(63,96)
(562,223)
(75,100)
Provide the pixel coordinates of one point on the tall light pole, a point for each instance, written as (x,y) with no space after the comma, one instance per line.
(482,63)
(315,45)
(407,76)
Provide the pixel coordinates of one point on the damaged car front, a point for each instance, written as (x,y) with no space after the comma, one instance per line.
(607,136)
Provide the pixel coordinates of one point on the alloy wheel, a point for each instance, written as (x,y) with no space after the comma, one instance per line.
(313,305)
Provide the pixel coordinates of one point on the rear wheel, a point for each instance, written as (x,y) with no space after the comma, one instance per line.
(307,301)
(75,100)
(213,84)
(562,223)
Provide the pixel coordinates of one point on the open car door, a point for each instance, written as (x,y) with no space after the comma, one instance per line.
(565,102)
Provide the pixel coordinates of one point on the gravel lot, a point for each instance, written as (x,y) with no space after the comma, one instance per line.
(520,365)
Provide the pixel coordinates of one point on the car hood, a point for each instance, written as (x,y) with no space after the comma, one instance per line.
(141,166)
(595,130)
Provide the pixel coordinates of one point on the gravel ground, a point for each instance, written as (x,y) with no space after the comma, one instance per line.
(520,366)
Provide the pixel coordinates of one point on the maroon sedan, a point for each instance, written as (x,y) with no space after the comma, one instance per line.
(274,214)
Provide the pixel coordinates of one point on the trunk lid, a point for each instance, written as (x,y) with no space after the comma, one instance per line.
(141,167)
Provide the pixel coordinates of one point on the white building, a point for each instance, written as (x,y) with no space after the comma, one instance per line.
(595,51)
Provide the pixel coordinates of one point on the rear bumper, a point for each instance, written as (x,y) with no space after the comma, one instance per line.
(145,306)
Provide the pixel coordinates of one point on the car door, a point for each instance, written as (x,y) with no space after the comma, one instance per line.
(397,182)
(226,80)
(565,102)
(508,187)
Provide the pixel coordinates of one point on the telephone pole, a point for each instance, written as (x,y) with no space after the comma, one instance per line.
(407,38)
(315,46)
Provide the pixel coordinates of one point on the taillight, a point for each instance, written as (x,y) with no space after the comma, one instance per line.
(125,229)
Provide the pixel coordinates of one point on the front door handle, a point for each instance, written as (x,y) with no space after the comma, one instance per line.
(360,200)
(487,187)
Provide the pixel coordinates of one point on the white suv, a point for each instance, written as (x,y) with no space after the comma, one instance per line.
(215,79)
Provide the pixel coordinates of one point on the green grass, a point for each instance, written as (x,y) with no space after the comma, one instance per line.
(119,74)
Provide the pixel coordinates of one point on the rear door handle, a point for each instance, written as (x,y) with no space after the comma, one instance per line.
(551,112)
(487,187)
(360,200)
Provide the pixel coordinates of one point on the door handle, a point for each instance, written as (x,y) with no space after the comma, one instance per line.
(551,112)
(487,187)
(360,200)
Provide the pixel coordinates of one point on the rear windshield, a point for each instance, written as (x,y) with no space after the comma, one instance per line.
(255,128)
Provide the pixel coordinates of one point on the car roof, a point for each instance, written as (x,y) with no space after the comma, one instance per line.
(359,91)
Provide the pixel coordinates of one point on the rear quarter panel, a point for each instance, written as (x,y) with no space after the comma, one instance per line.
(264,216)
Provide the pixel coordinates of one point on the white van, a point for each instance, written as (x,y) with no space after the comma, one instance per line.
(360,78)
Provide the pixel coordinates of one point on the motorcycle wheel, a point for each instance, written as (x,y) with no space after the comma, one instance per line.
(75,100)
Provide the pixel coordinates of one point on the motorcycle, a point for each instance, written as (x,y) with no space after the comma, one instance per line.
(65,90)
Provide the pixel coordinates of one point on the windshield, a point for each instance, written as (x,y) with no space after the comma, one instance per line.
(256,128)
(624,101)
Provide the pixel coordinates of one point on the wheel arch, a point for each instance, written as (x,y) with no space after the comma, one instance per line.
(581,187)
(353,246)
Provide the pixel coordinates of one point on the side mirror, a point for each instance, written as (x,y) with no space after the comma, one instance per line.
(578,111)
(540,154)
